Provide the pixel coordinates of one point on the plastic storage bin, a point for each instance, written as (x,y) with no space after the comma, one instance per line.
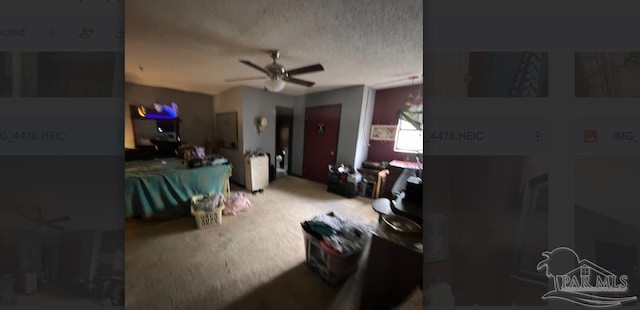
(333,267)
(206,219)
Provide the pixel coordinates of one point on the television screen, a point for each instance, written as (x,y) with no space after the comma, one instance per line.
(166,126)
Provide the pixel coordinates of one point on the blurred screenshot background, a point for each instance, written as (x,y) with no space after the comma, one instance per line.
(531,143)
(61,88)
(576,74)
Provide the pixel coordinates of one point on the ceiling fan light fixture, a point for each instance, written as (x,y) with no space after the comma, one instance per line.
(275,85)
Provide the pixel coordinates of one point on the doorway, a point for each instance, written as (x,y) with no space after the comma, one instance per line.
(321,129)
(284,141)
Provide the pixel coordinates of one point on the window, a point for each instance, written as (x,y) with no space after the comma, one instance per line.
(584,271)
(408,138)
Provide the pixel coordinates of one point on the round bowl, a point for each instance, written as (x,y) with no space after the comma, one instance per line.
(401,224)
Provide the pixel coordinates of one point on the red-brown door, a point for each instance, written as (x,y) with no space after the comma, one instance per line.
(321,128)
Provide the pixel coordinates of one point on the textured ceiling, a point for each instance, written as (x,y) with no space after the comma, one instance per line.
(195,45)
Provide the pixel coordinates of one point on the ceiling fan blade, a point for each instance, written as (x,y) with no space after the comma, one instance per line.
(246,79)
(252,65)
(31,218)
(307,69)
(60,219)
(55,227)
(298,81)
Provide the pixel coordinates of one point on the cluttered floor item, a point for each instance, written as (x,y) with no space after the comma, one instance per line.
(256,260)
(334,246)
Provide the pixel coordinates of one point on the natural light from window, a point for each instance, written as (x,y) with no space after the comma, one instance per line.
(408,138)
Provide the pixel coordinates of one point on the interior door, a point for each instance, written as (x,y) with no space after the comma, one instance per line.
(321,128)
(446,74)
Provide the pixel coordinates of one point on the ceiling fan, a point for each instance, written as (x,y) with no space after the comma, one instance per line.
(40,220)
(278,75)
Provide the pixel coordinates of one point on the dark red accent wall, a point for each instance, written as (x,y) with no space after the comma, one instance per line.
(387,103)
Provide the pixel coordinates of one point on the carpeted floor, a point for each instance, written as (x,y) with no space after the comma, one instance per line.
(251,261)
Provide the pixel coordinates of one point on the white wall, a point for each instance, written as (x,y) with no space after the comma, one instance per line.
(257,102)
(231,101)
(366,112)
(251,103)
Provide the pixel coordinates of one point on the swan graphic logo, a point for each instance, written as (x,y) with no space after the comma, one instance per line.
(587,284)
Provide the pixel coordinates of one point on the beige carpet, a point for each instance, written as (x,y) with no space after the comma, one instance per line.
(251,261)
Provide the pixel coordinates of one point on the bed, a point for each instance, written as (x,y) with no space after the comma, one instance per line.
(162,188)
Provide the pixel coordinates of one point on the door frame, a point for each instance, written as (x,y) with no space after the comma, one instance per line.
(290,120)
(304,149)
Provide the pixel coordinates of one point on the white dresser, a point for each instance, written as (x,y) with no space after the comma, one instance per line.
(256,173)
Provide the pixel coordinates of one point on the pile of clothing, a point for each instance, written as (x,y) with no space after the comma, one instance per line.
(343,236)
(208,203)
(236,203)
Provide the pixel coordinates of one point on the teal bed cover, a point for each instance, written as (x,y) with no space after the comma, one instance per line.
(163,188)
